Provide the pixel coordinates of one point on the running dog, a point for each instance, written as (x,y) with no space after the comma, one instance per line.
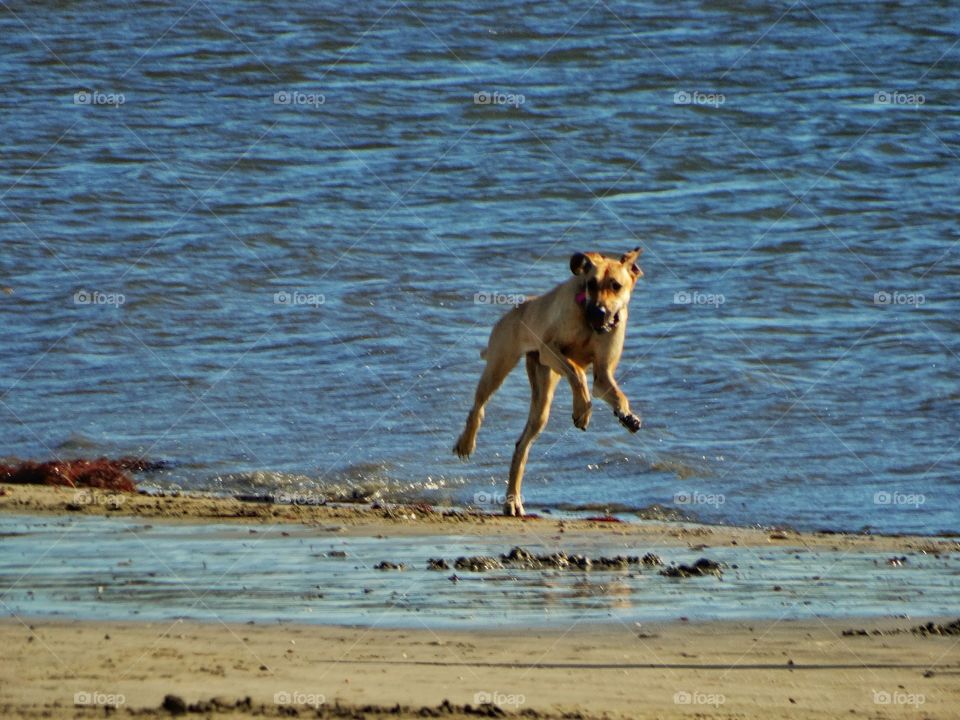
(580,322)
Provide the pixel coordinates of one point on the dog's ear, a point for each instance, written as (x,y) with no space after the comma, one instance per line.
(630,260)
(580,264)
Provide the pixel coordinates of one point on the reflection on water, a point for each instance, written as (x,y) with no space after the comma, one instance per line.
(299,574)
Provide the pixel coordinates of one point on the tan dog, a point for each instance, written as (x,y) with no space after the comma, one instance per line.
(580,322)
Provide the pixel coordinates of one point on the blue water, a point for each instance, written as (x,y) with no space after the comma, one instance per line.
(177,165)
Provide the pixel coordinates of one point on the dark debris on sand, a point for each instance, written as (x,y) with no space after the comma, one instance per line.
(387,565)
(929,629)
(522,559)
(951,628)
(701,567)
(478,563)
(174,705)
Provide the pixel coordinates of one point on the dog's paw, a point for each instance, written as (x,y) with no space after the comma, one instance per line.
(630,421)
(464,447)
(581,417)
(513,508)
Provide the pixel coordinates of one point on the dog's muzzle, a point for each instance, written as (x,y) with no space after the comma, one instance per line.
(600,319)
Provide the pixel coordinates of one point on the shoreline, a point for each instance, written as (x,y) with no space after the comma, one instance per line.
(423,520)
(796,669)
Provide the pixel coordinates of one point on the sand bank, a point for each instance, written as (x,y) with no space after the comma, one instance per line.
(395,520)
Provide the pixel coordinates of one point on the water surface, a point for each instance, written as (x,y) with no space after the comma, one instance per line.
(299,203)
(235,573)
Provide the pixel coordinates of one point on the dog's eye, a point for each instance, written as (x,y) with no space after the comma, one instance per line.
(615,286)
(592,285)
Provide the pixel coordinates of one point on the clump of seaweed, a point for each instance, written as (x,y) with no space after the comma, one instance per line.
(100,473)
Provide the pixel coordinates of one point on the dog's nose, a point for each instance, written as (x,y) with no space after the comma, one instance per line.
(598,314)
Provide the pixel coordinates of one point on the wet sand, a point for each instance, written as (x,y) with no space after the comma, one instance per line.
(402,520)
(742,670)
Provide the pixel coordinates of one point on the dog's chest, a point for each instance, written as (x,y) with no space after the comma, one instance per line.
(580,349)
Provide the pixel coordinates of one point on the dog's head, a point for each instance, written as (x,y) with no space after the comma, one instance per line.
(607,283)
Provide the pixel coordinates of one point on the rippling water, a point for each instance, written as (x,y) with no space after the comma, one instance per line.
(171,170)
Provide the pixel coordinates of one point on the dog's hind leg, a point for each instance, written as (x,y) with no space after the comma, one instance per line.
(500,361)
(543,383)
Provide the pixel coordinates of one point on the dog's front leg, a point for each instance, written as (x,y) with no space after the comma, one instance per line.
(606,388)
(552,357)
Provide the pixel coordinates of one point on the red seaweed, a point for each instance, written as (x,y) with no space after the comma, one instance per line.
(100,473)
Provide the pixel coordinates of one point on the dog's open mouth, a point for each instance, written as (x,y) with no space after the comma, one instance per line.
(606,325)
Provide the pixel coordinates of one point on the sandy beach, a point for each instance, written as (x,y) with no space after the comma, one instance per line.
(770,667)
(62,669)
